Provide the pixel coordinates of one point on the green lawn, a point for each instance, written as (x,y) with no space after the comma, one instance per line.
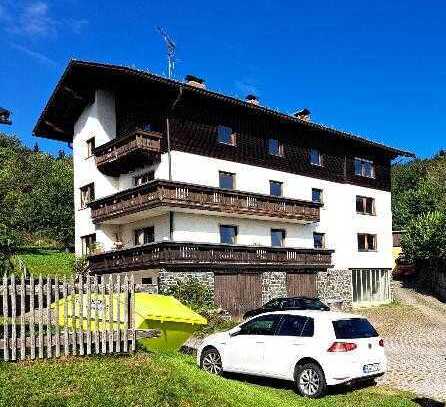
(48,262)
(157,381)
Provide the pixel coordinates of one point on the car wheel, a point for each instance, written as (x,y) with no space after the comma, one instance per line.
(211,361)
(310,380)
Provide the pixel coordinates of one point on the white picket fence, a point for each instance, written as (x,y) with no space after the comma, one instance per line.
(46,317)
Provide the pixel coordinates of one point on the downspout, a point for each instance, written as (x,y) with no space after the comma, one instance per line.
(169,156)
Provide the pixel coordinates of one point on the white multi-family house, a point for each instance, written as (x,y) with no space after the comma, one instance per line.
(173,180)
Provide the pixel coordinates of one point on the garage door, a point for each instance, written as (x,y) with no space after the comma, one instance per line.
(238,293)
(301,284)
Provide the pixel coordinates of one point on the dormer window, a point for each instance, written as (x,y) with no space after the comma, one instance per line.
(364,168)
(226,135)
(275,147)
(315,157)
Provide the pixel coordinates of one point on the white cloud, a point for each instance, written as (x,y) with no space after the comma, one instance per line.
(34,19)
(43,59)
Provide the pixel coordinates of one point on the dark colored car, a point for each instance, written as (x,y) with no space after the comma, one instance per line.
(290,303)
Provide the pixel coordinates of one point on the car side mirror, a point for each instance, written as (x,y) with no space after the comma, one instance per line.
(235,331)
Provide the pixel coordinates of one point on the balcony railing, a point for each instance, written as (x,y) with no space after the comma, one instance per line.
(177,194)
(124,154)
(208,255)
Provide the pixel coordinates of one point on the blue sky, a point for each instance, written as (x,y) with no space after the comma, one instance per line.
(377,69)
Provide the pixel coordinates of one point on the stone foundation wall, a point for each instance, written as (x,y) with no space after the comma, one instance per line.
(168,278)
(335,288)
(273,285)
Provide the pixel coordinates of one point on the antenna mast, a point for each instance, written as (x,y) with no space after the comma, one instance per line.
(170,45)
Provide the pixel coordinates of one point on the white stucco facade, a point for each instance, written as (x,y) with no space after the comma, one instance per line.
(338,220)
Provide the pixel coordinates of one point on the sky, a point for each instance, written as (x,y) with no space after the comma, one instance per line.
(374,68)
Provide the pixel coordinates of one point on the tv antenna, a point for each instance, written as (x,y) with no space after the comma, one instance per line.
(170,45)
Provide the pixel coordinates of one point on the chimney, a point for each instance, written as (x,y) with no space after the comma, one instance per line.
(195,81)
(303,114)
(253,99)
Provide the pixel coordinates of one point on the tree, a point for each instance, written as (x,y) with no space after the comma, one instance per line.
(36,193)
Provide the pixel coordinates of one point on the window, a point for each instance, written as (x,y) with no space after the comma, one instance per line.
(87,195)
(227,180)
(273,304)
(147,280)
(264,325)
(317,195)
(354,328)
(86,242)
(228,234)
(315,157)
(226,135)
(295,325)
(147,127)
(366,242)
(144,178)
(90,147)
(275,188)
(144,236)
(275,147)
(364,205)
(318,240)
(278,237)
(364,168)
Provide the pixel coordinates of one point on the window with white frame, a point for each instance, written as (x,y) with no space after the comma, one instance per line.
(315,157)
(144,235)
(86,243)
(365,205)
(364,168)
(87,195)
(275,147)
(225,135)
(366,242)
(143,178)
(90,147)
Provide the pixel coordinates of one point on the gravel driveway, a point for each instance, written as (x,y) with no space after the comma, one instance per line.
(414,331)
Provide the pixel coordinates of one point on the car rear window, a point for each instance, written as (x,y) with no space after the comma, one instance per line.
(354,328)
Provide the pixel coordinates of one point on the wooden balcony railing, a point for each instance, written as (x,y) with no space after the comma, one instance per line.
(208,255)
(124,154)
(177,194)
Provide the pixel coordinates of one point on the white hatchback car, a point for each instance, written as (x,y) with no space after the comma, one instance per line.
(315,349)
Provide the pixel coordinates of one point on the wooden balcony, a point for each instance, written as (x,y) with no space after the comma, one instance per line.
(172,194)
(181,254)
(125,154)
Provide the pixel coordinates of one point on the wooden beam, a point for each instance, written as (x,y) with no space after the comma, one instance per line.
(54,127)
(74,94)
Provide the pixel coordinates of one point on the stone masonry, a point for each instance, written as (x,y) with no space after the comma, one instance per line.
(169,278)
(273,285)
(335,288)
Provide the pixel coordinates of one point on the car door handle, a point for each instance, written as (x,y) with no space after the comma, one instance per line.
(297,344)
(260,342)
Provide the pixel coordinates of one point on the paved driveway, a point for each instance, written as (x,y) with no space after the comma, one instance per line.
(415,338)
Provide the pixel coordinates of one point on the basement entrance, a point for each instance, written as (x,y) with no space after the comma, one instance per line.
(301,284)
(238,292)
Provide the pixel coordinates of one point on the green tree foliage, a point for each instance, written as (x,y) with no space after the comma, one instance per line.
(425,237)
(419,207)
(36,193)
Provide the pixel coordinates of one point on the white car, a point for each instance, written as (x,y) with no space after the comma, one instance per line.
(315,349)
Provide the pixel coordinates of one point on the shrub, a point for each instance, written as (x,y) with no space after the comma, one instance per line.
(193,293)
(425,237)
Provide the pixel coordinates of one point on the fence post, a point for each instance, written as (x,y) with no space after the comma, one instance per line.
(22,318)
(32,317)
(132,311)
(49,339)
(13,316)
(96,316)
(66,344)
(118,312)
(40,314)
(81,315)
(104,317)
(73,315)
(126,313)
(88,305)
(56,315)
(6,316)
(110,309)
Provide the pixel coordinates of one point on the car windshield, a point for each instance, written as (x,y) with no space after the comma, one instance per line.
(354,328)
(272,304)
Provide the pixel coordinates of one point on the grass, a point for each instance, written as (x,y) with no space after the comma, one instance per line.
(158,381)
(48,262)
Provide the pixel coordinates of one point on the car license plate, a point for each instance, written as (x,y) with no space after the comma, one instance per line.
(371,368)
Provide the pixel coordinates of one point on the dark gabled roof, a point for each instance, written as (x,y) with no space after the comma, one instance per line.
(75,90)
(4,116)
